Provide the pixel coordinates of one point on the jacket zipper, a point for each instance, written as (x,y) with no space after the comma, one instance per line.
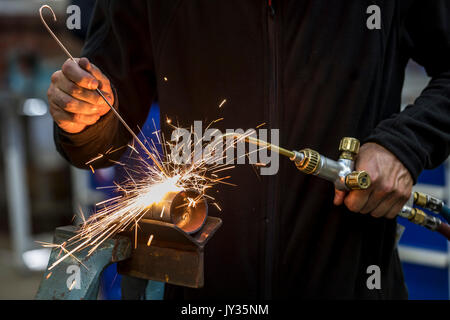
(270,221)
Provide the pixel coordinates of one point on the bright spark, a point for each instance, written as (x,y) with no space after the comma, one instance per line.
(151,178)
(222,103)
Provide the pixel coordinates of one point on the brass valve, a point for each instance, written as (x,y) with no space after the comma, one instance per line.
(339,172)
(357,180)
(349,148)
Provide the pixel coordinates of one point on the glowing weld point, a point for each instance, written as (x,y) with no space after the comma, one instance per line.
(135,235)
(192,202)
(222,103)
(149,242)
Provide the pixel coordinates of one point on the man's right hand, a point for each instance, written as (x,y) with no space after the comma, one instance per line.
(74,103)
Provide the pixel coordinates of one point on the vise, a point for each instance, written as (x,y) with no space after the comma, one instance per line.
(169,250)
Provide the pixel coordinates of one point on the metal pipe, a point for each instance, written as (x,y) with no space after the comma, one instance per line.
(16,180)
(187,210)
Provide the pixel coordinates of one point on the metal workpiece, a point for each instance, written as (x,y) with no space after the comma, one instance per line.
(187,210)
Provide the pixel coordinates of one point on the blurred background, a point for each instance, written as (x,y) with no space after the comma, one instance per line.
(39,191)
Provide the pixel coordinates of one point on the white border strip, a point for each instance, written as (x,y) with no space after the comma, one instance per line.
(433,190)
(424,257)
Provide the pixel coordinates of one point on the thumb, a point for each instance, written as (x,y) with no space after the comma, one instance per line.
(92,69)
(339,197)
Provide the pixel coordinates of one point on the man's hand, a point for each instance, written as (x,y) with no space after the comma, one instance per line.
(74,103)
(391,184)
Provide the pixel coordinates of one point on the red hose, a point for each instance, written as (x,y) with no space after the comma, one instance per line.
(444,229)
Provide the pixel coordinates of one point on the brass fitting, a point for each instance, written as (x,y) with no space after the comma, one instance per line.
(418,216)
(420,199)
(310,162)
(428,202)
(357,180)
(349,148)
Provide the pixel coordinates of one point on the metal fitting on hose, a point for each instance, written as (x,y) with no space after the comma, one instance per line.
(419,217)
(428,202)
(357,180)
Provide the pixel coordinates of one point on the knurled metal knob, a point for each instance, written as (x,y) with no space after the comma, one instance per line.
(310,161)
(357,180)
(420,199)
(349,148)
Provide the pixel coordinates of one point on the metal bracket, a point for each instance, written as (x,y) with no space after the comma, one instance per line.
(174,256)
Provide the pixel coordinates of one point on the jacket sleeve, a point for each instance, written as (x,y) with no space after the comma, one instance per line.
(119,43)
(420,135)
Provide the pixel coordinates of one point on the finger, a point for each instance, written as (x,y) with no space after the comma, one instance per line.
(92,69)
(357,199)
(78,75)
(64,118)
(70,104)
(77,92)
(339,197)
(384,206)
(374,200)
(395,210)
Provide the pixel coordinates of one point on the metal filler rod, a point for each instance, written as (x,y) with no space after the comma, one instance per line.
(116,113)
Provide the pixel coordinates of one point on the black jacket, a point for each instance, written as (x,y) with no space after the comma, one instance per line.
(315,71)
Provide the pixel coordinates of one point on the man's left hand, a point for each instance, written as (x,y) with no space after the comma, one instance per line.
(391,184)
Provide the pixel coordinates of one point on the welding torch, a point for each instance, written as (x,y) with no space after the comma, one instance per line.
(343,175)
